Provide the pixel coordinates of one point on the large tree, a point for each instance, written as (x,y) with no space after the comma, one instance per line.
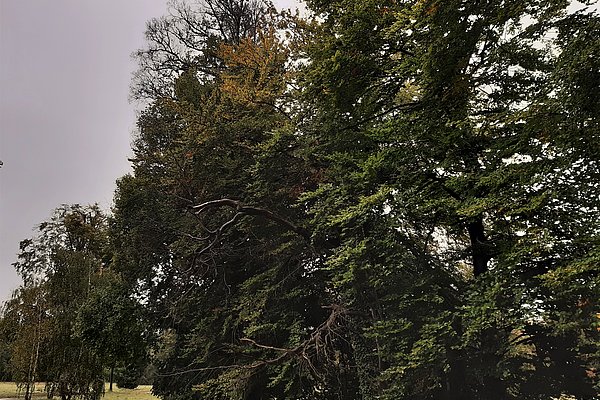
(461,140)
(394,200)
(206,228)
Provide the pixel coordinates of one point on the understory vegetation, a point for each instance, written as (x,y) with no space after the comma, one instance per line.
(380,199)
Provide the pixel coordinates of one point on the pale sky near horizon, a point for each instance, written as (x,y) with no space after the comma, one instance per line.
(65,122)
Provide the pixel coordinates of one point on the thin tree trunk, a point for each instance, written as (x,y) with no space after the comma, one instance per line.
(30,385)
(112,371)
(456,383)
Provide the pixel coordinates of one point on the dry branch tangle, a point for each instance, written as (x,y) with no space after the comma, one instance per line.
(318,345)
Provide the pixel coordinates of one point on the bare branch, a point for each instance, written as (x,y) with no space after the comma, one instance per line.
(319,343)
(248,210)
(262,346)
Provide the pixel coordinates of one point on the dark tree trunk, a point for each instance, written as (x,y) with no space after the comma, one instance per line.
(480,247)
(112,372)
(456,383)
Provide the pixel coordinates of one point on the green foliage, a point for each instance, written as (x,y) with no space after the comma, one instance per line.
(71,317)
(128,376)
(444,159)
(59,268)
(459,176)
(211,278)
(393,200)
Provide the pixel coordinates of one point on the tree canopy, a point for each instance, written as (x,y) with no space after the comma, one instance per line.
(382,200)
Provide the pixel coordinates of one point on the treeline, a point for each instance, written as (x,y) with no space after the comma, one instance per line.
(384,200)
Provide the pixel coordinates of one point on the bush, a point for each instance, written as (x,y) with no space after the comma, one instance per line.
(128,377)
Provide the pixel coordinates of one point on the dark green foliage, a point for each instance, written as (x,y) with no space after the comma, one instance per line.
(460,177)
(395,200)
(128,376)
(233,283)
(6,337)
(444,169)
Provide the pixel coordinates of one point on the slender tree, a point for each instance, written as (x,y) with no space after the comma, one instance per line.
(60,268)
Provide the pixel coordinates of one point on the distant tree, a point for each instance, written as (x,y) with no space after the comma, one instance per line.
(6,338)
(60,267)
(24,329)
(109,321)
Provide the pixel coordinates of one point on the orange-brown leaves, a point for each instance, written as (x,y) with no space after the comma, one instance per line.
(255,73)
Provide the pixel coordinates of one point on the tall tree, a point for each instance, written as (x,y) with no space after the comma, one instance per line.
(205,226)
(461,182)
(60,268)
(417,219)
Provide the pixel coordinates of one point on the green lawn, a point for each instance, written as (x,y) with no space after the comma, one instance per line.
(9,390)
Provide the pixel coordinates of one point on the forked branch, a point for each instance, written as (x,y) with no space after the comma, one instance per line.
(242,209)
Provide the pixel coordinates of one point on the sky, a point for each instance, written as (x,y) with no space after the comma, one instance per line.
(65,120)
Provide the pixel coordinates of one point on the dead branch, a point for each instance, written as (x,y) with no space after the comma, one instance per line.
(218,232)
(242,209)
(262,346)
(317,346)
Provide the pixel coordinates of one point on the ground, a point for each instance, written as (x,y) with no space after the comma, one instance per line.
(8,390)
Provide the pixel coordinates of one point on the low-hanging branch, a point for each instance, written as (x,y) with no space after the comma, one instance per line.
(242,209)
(318,345)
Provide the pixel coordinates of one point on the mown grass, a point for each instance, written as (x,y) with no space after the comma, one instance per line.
(142,392)
(8,390)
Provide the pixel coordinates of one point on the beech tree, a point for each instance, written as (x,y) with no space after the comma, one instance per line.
(462,186)
(395,200)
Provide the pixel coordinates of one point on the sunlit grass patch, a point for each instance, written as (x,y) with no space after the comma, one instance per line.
(142,392)
(8,390)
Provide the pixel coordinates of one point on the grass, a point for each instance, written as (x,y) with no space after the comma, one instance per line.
(142,392)
(8,390)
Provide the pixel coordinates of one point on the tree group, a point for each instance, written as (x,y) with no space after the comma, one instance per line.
(385,200)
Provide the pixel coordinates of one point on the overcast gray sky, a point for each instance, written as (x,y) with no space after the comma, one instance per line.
(65,123)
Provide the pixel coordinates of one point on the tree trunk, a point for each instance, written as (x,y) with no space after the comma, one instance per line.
(480,248)
(112,371)
(456,379)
